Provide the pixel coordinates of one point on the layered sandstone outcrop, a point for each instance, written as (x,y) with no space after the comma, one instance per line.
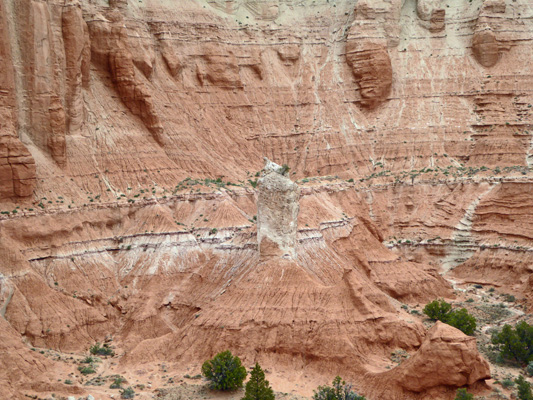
(111,50)
(17,168)
(367,55)
(485,43)
(41,102)
(277,212)
(412,158)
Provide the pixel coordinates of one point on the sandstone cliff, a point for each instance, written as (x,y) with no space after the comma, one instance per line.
(132,135)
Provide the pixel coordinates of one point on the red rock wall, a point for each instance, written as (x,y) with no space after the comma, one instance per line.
(128,96)
(17,166)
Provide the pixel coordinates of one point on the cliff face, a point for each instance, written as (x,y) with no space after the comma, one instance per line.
(131,139)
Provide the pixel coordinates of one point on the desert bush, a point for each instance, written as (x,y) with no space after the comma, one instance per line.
(515,344)
(224,371)
(507,383)
(462,394)
(529,368)
(117,383)
(460,319)
(510,298)
(104,350)
(128,393)
(338,391)
(86,369)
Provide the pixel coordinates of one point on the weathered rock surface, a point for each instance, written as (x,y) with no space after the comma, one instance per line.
(111,49)
(432,14)
(277,212)
(17,166)
(396,96)
(447,357)
(485,43)
(485,46)
(367,56)
(77,58)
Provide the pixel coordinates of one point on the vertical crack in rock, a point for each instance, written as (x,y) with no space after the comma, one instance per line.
(277,212)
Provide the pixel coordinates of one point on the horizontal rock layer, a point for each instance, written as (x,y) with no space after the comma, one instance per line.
(109,108)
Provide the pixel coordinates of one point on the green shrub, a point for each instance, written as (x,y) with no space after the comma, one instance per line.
(117,383)
(128,393)
(224,371)
(529,368)
(460,319)
(68,382)
(338,391)
(507,383)
(86,369)
(515,344)
(462,394)
(510,298)
(524,389)
(463,321)
(104,350)
(257,388)
(88,360)
(438,310)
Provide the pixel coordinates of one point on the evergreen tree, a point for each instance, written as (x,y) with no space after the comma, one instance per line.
(463,321)
(524,389)
(516,344)
(224,371)
(257,387)
(460,319)
(438,309)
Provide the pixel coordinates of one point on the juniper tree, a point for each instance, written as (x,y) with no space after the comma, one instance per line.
(224,371)
(257,387)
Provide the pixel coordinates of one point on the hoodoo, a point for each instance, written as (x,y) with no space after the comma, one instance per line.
(277,212)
